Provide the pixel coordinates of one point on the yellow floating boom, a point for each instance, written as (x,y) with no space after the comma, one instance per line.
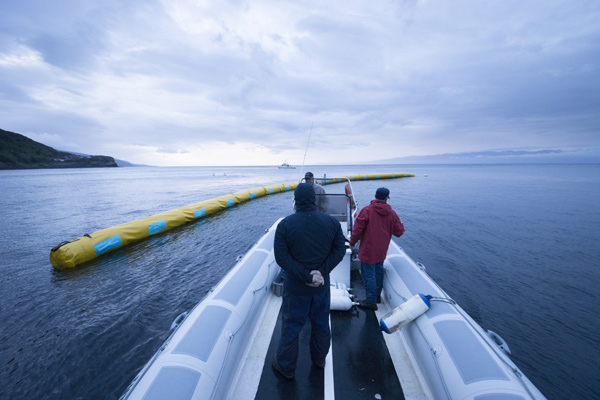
(390,175)
(86,248)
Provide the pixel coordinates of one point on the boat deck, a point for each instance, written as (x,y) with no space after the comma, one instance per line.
(224,347)
(359,365)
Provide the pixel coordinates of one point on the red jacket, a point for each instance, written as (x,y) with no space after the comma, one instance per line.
(374,227)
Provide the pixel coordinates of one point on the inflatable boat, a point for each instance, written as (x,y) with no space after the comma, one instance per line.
(222,348)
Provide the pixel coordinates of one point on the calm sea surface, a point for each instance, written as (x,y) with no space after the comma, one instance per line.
(517,246)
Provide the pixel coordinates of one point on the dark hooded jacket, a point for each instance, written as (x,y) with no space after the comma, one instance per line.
(305,241)
(374,227)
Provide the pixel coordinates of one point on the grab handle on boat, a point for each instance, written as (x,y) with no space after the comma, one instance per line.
(499,342)
(178,320)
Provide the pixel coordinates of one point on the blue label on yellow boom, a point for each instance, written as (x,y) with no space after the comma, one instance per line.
(200,213)
(157,227)
(107,244)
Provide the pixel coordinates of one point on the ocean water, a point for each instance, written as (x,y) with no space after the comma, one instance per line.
(515,245)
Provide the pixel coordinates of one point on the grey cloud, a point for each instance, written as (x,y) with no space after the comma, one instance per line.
(11,94)
(502,156)
(69,34)
(430,75)
(171,150)
(70,50)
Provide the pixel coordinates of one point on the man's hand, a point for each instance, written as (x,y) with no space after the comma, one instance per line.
(317,278)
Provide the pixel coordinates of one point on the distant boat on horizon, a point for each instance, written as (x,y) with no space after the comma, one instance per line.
(285,165)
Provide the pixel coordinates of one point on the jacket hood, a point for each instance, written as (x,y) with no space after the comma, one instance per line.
(381,207)
(304,197)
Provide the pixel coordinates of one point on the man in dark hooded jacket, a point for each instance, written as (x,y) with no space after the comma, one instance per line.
(308,245)
(374,227)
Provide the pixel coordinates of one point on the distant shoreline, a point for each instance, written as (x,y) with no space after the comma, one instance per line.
(20,152)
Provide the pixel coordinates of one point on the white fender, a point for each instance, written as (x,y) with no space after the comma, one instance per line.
(404,313)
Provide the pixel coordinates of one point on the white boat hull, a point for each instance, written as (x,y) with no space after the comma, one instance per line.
(219,350)
(453,356)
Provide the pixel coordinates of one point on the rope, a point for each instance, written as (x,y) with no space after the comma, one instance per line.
(306,150)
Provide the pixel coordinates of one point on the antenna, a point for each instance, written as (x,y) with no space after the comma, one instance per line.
(302,169)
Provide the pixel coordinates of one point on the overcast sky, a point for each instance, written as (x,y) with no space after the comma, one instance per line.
(192,82)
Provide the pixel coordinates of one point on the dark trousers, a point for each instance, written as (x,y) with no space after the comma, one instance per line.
(295,311)
(372,276)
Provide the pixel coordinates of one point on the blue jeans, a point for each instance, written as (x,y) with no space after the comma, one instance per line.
(295,311)
(372,276)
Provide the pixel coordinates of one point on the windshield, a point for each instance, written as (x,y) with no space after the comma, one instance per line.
(335,199)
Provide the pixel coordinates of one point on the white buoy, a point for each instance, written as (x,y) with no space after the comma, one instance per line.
(405,313)
(340,298)
(340,293)
(341,303)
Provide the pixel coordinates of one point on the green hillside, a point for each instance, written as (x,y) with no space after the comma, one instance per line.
(20,152)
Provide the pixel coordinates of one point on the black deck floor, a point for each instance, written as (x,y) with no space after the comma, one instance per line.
(362,364)
(308,380)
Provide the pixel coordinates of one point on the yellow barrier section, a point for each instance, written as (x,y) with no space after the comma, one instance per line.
(88,247)
(368,177)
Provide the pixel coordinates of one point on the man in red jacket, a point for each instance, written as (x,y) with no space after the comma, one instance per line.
(374,227)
